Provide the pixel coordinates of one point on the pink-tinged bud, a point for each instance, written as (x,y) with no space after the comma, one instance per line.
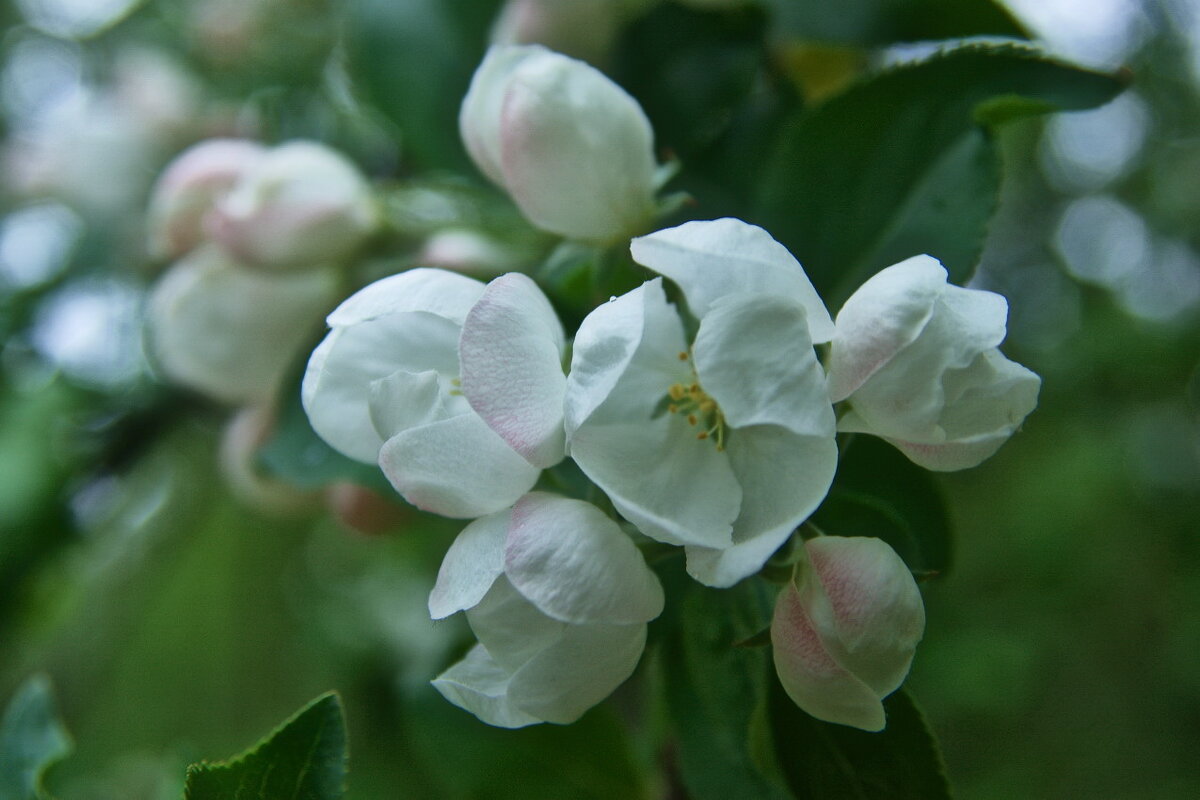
(573,150)
(582,28)
(845,630)
(299,206)
(188,189)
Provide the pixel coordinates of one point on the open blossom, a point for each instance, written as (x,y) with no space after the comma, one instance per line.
(188,189)
(559,599)
(723,446)
(917,361)
(845,630)
(572,149)
(230,332)
(300,204)
(383,387)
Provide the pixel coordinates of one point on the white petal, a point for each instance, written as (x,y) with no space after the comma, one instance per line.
(511,628)
(436,291)
(511,352)
(575,564)
(784,477)
(992,395)
(479,685)
(905,398)
(709,260)
(577,152)
(812,677)
(578,671)
(884,316)
(754,357)
(456,467)
(471,565)
(951,456)
(230,332)
(865,606)
(479,117)
(674,487)
(337,384)
(405,400)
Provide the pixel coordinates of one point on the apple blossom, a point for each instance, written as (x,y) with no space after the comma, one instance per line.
(189,187)
(300,204)
(583,29)
(572,149)
(724,446)
(916,359)
(383,386)
(559,599)
(845,629)
(230,332)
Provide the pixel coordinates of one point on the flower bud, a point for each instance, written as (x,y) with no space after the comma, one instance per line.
(300,205)
(230,332)
(845,630)
(244,434)
(189,187)
(572,149)
(916,360)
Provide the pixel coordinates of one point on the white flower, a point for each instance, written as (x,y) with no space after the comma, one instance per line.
(300,204)
(230,332)
(724,446)
(572,148)
(189,187)
(559,599)
(383,386)
(916,360)
(844,632)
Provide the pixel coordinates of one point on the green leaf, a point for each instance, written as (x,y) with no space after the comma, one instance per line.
(413,61)
(899,164)
(880,22)
(822,760)
(31,740)
(715,690)
(303,759)
(878,492)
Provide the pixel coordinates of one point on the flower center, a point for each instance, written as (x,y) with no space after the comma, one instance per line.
(700,410)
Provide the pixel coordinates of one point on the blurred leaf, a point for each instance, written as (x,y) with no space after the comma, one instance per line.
(881,22)
(413,60)
(879,492)
(884,166)
(716,690)
(296,454)
(305,759)
(823,760)
(31,740)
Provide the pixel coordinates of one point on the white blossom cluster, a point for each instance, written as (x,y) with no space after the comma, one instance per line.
(709,424)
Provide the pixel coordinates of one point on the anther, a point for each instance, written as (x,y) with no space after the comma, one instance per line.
(683,356)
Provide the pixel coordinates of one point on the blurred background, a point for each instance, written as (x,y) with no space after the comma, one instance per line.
(149,568)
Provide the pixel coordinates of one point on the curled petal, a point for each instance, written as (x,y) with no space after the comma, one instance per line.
(712,259)
(434,291)
(511,353)
(574,563)
(457,467)
(405,400)
(479,685)
(471,565)
(884,316)
(337,384)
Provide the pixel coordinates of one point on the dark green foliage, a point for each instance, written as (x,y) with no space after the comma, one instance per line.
(900,161)
(304,759)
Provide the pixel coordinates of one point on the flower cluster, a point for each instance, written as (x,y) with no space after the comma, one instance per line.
(709,424)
